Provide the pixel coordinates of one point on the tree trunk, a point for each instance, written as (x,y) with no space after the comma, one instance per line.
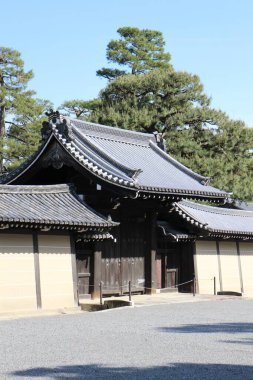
(2,134)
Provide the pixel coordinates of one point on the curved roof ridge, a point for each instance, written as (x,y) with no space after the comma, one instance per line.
(114,132)
(97,148)
(202,179)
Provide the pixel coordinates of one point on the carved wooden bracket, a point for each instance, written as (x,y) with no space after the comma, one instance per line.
(56,157)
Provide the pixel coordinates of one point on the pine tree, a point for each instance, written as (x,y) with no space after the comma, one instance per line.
(137,51)
(19,110)
(23,131)
(160,100)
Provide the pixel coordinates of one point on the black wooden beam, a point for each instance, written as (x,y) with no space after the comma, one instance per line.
(151,252)
(97,270)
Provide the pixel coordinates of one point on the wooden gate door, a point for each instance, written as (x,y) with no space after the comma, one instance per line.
(170,268)
(132,254)
(132,269)
(171,278)
(83,265)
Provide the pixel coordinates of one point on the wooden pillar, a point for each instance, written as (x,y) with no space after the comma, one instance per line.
(97,270)
(151,237)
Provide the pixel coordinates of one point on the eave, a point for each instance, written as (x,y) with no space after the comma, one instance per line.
(49,207)
(198,222)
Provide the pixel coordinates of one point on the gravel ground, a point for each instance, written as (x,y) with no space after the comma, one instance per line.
(200,340)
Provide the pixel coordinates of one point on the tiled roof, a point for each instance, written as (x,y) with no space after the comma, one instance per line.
(140,163)
(125,158)
(248,206)
(216,220)
(55,205)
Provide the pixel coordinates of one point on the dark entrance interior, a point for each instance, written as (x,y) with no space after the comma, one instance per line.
(174,265)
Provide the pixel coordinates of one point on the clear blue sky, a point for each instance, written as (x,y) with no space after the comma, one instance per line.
(64,43)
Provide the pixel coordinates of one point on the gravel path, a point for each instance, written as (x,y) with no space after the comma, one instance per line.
(200,340)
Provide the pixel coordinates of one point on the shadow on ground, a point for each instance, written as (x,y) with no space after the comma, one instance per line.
(174,371)
(227,328)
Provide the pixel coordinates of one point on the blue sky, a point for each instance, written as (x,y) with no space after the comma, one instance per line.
(64,43)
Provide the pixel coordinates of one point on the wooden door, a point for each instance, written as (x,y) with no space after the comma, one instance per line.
(170,268)
(132,253)
(132,269)
(171,278)
(158,264)
(83,265)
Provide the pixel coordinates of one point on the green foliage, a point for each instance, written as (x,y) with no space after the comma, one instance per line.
(20,112)
(160,100)
(80,108)
(13,81)
(223,153)
(137,50)
(149,95)
(23,133)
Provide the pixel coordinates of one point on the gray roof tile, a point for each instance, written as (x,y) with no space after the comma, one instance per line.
(47,205)
(216,219)
(137,156)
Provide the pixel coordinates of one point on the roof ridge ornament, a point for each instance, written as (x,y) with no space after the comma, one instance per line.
(53,116)
(160,140)
(58,123)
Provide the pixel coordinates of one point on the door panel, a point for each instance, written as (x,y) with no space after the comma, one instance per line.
(171,278)
(84,269)
(132,253)
(83,272)
(170,268)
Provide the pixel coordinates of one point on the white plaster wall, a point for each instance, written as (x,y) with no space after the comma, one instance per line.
(17,275)
(246,255)
(229,266)
(206,262)
(56,277)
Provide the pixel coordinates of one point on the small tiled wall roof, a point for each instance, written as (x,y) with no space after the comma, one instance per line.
(54,205)
(216,220)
